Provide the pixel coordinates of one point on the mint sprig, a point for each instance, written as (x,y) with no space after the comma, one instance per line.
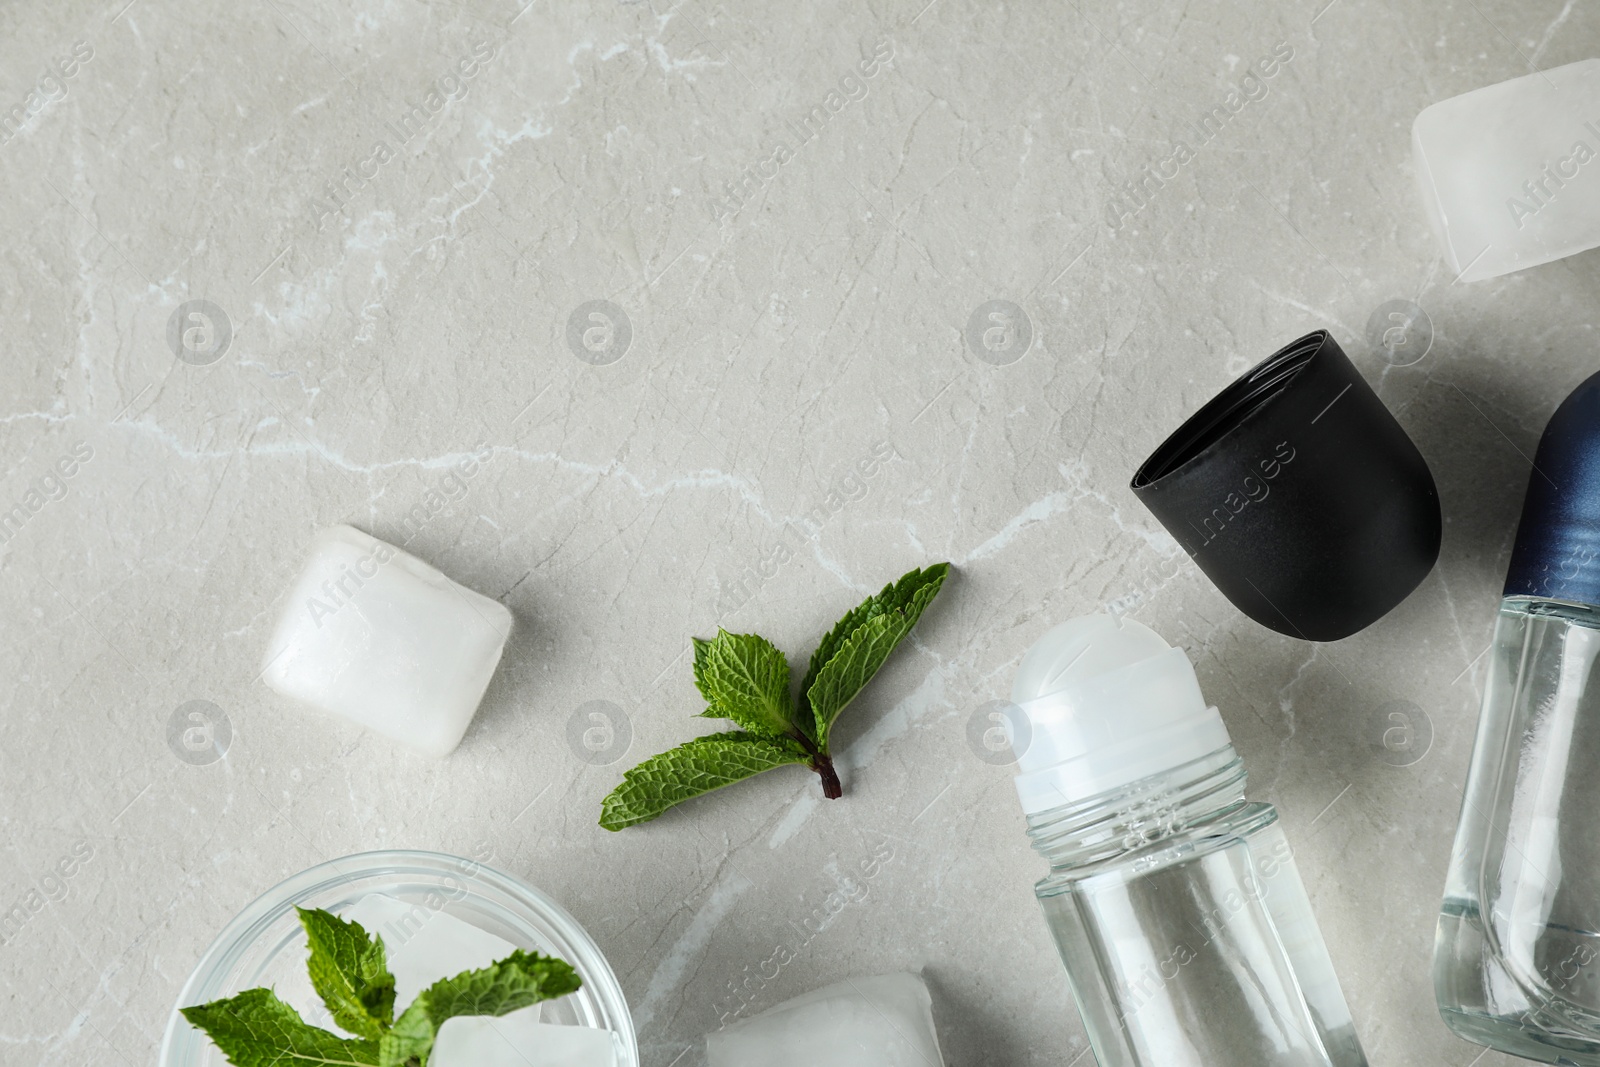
(349,970)
(745,678)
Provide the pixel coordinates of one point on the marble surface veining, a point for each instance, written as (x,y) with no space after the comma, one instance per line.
(749,308)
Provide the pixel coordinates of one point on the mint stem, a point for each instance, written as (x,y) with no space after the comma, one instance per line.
(822,763)
(830,778)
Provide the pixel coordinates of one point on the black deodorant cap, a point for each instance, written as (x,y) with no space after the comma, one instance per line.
(1299,495)
(1557,553)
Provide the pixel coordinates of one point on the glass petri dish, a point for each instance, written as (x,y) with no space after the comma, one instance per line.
(265,945)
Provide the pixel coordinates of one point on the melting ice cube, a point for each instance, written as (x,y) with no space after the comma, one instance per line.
(519,1039)
(860,1022)
(1510,173)
(375,635)
(424,944)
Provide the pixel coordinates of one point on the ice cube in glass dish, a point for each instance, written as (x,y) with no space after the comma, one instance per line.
(1510,173)
(374,635)
(519,1039)
(861,1022)
(424,944)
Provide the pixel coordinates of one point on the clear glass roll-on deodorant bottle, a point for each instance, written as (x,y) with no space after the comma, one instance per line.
(1186,933)
(1516,963)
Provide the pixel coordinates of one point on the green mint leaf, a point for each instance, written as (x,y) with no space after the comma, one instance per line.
(860,642)
(745,678)
(897,594)
(350,972)
(690,770)
(521,979)
(256,1029)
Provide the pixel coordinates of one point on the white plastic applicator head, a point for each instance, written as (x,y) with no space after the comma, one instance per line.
(1082,648)
(1107,702)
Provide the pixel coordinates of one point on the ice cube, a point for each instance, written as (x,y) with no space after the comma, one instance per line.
(860,1022)
(519,1039)
(424,944)
(375,635)
(1510,173)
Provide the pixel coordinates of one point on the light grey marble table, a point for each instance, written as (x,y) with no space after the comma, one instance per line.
(396,279)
